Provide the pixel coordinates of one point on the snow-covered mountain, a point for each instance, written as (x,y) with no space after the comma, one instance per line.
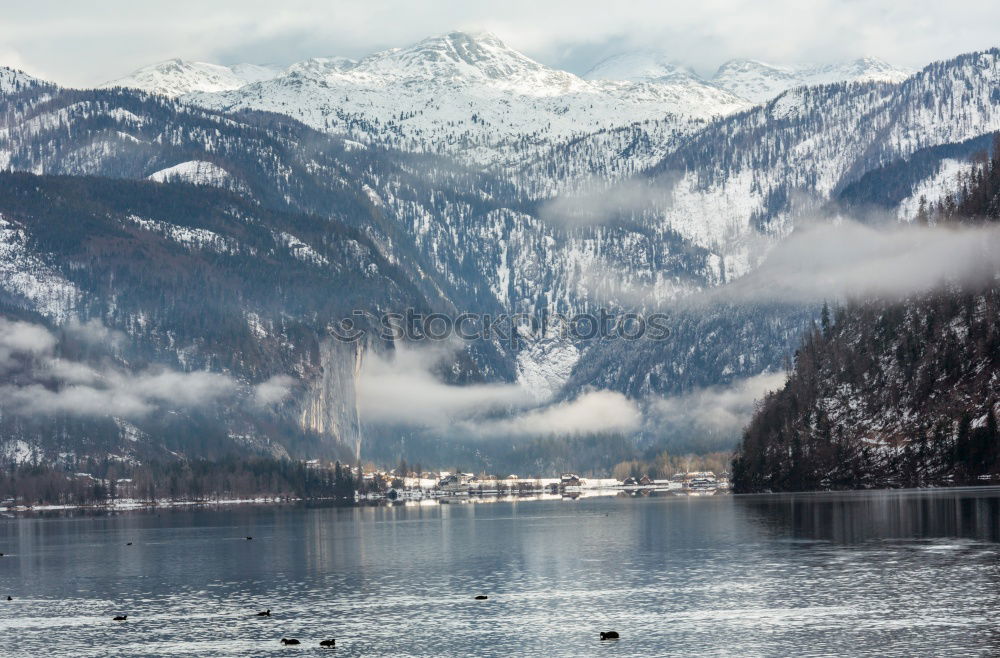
(641,66)
(467,95)
(750,79)
(732,185)
(470,95)
(703,202)
(760,82)
(176,77)
(319,66)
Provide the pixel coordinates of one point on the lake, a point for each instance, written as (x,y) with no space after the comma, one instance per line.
(901,573)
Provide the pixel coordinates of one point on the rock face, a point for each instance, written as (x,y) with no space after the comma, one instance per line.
(329,407)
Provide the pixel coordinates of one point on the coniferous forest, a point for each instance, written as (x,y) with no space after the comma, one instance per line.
(97,482)
(892,393)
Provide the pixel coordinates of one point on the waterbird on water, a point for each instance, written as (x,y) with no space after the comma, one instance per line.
(482,597)
(286,640)
(609,635)
(264,613)
(9,598)
(249,537)
(328,643)
(120,618)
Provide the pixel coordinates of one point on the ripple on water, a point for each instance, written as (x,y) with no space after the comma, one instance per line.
(699,577)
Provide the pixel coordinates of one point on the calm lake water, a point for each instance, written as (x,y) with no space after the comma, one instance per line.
(883,574)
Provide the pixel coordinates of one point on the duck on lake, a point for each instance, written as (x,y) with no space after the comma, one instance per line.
(287,640)
(264,613)
(609,635)
(328,643)
(481,597)
(120,618)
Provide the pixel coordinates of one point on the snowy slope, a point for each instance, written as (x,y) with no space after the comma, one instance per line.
(753,174)
(176,77)
(12,80)
(193,171)
(753,80)
(760,82)
(469,95)
(934,188)
(25,275)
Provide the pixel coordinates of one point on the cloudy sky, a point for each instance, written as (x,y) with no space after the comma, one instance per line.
(87,43)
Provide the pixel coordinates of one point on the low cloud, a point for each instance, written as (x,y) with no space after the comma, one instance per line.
(600,202)
(830,260)
(78,400)
(94,332)
(38,381)
(403,388)
(22,338)
(848,259)
(590,413)
(715,414)
(274,390)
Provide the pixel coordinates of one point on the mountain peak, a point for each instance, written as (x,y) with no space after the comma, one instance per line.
(13,80)
(477,36)
(759,81)
(318,67)
(176,77)
(453,56)
(641,66)
(875,69)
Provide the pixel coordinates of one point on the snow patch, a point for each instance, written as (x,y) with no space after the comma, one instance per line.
(26,275)
(934,188)
(198,172)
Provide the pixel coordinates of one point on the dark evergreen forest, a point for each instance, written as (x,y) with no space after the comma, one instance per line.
(887,394)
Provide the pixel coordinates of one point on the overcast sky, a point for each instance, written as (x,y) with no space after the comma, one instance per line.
(80,43)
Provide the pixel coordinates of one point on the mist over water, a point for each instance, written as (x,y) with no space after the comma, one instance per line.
(887,573)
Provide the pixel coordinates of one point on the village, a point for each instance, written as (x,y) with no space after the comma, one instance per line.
(457,485)
(141,486)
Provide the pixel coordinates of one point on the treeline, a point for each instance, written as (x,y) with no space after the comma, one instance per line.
(233,478)
(891,394)
(589,455)
(664,465)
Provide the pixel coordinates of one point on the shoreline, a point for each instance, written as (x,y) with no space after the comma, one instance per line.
(127,505)
(406,497)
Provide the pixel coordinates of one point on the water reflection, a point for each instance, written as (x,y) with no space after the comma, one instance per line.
(857,517)
(881,573)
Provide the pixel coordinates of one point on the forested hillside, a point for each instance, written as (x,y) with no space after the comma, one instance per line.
(127,280)
(901,393)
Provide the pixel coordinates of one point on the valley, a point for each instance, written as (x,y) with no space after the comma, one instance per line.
(453,176)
